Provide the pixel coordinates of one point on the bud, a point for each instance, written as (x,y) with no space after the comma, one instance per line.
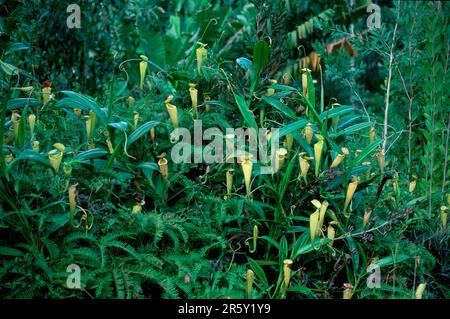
(202,55)
(304,165)
(46,94)
(207,105)
(138,207)
(194,96)
(72,198)
(331,233)
(131,101)
(250,279)
(142,69)
(55,158)
(289,141)
(367,214)
(413,183)
(305,82)
(348,293)
(77,112)
(173,111)
(35,146)
(372,134)
(350,191)
(420,290)
(339,158)
(287,271)
(136,119)
(162,163)
(229,178)
(315,60)
(67,168)
(308,133)
(247,167)
(31,123)
(15,119)
(444,216)
(60,147)
(381,160)
(280,155)
(271,91)
(318,148)
(152,134)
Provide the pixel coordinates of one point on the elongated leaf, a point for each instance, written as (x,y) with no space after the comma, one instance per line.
(270,240)
(311,91)
(302,290)
(292,127)
(258,271)
(260,56)
(9,69)
(31,156)
(387,261)
(8,251)
(286,177)
(121,126)
(301,247)
(140,131)
(148,166)
(18,46)
(337,111)
(243,108)
(21,102)
(280,107)
(347,120)
(90,154)
(366,152)
(313,111)
(76,100)
(351,129)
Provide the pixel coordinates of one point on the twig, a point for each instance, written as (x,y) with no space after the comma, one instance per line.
(388,89)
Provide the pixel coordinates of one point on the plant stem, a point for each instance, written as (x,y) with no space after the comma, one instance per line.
(388,89)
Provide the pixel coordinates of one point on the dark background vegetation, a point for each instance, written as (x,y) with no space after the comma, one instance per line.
(189,241)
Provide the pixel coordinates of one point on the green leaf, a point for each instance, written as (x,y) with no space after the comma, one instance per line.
(270,240)
(280,107)
(292,127)
(9,69)
(140,131)
(311,91)
(84,102)
(286,177)
(351,129)
(260,56)
(121,126)
(387,261)
(302,246)
(243,108)
(21,102)
(90,154)
(8,251)
(366,152)
(337,111)
(33,156)
(302,290)
(259,272)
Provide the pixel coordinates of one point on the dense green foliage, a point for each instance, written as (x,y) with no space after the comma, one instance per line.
(86,130)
